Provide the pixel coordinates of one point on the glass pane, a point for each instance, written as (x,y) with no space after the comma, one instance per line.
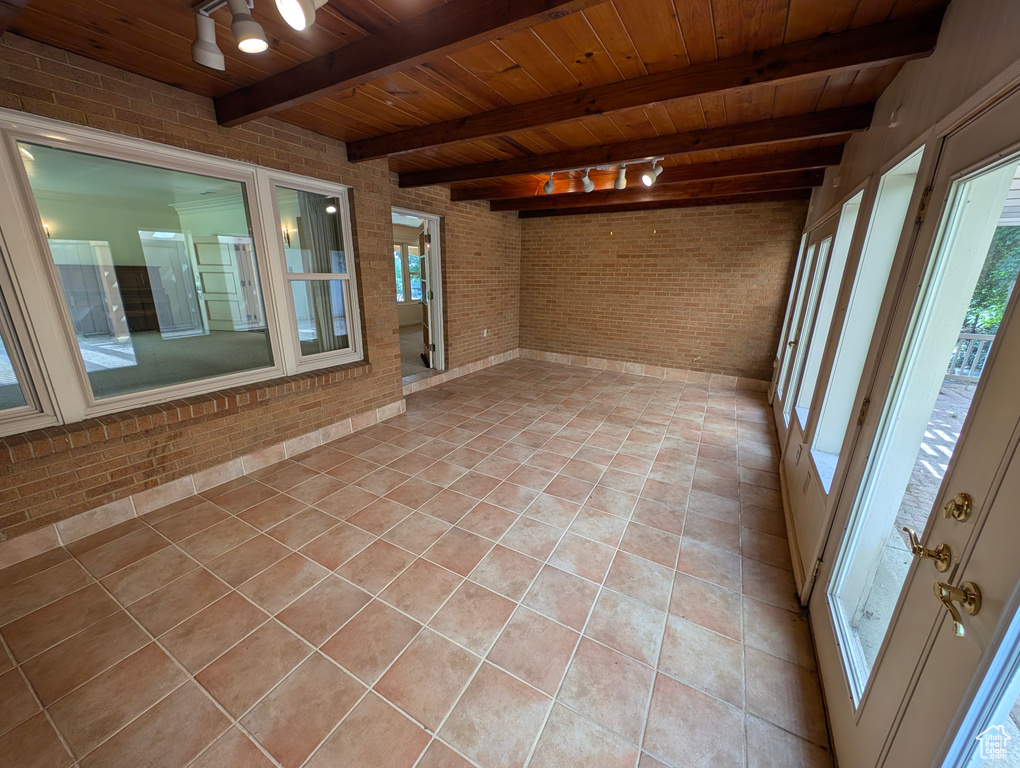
(414,265)
(953,327)
(320,308)
(888,216)
(312,232)
(398,268)
(11,395)
(157,267)
(789,352)
(805,338)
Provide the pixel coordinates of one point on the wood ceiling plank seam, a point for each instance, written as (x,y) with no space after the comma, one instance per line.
(616,39)
(759,197)
(415,115)
(434,81)
(697,25)
(531,52)
(763,132)
(653,26)
(836,88)
(446,66)
(341,112)
(798,97)
(357,13)
(455,26)
(571,35)
(808,18)
(421,91)
(844,52)
(506,76)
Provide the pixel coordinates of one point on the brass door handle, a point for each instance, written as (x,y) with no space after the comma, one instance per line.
(792,343)
(942,555)
(967,595)
(958,508)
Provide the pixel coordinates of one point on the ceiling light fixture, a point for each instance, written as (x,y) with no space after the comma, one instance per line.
(621,178)
(204,50)
(587,183)
(550,186)
(299,14)
(648,177)
(248,33)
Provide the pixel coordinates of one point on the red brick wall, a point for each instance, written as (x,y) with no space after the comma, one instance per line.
(481,273)
(53,474)
(698,288)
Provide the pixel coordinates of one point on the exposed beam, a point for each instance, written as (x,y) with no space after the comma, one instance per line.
(890,43)
(823,157)
(451,27)
(815,125)
(9,12)
(687,191)
(759,197)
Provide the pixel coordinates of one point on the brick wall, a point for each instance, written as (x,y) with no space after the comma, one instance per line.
(481,273)
(53,474)
(697,288)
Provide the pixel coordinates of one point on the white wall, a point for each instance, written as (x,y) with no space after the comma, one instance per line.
(979,39)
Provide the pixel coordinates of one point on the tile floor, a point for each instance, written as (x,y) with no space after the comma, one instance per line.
(538,565)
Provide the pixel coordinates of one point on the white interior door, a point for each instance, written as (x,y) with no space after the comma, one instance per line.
(895,673)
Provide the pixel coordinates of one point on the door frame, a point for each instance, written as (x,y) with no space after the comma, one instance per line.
(434,263)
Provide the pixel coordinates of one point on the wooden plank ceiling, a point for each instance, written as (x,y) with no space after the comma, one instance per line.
(744,99)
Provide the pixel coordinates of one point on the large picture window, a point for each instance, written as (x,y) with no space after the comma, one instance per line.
(154,273)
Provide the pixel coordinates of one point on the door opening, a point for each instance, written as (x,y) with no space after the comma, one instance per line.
(417,273)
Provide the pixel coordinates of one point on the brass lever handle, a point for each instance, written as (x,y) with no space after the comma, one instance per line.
(967,595)
(942,554)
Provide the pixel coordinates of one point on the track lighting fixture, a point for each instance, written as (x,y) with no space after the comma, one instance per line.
(648,177)
(204,50)
(550,186)
(248,33)
(299,14)
(621,178)
(587,183)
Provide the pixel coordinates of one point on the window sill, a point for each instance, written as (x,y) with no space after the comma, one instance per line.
(56,439)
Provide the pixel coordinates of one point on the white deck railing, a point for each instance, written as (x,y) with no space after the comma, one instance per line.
(969,356)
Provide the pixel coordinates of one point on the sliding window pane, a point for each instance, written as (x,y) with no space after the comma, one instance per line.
(321,311)
(157,269)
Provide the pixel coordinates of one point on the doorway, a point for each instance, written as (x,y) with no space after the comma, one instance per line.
(418,278)
(921,580)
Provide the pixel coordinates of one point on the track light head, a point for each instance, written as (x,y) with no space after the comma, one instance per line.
(621,178)
(299,14)
(204,50)
(248,33)
(587,183)
(648,177)
(550,186)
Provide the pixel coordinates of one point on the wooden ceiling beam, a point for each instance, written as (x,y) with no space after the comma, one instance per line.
(686,191)
(814,125)
(756,197)
(889,43)
(9,12)
(809,159)
(454,26)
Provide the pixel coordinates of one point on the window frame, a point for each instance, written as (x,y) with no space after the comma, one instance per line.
(61,383)
(405,266)
(295,360)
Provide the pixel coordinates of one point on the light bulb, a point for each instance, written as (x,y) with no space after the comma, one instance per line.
(299,14)
(248,33)
(621,178)
(331,208)
(648,177)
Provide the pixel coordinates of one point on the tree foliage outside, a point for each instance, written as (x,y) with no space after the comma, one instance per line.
(998,275)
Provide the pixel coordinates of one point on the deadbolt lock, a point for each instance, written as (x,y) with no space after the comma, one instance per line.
(958,508)
(968,595)
(942,556)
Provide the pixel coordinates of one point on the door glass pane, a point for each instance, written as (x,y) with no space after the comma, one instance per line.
(398,269)
(805,338)
(964,293)
(320,306)
(789,352)
(414,265)
(157,269)
(11,395)
(888,216)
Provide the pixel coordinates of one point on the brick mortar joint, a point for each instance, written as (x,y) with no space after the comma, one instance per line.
(96,430)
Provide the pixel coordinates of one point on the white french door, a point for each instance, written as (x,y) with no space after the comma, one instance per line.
(900,675)
(800,322)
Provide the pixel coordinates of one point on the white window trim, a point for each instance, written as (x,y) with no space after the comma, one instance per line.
(47,335)
(406,268)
